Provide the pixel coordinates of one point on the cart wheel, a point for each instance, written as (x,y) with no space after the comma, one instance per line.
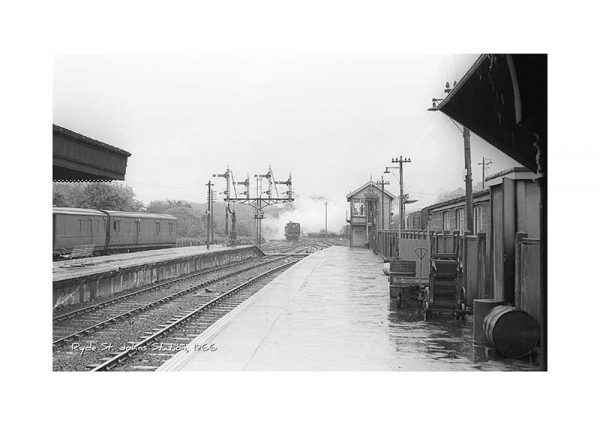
(426,306)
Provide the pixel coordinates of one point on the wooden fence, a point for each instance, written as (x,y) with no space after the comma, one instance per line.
(528,288)
(469,249)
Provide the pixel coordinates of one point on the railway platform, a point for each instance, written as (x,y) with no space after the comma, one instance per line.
(111,274)
(331,311)
(120,261)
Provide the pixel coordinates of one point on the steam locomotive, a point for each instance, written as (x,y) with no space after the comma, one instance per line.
(292,231)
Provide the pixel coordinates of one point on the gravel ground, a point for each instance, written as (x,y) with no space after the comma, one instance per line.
(157,353)
(69,326)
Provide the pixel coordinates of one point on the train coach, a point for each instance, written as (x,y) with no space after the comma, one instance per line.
(111,231)
(449,216)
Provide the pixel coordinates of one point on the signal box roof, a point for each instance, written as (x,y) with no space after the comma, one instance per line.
(370,186)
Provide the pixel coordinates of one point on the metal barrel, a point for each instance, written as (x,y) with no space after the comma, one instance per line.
(512,332)
(481,308)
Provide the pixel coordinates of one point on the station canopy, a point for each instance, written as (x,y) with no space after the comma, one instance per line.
(503,99)
(76,157)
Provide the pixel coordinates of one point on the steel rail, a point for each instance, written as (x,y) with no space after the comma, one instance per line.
(124,355)
(115,300)
(153,304)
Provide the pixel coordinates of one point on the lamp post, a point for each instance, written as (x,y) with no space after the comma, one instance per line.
(467,148)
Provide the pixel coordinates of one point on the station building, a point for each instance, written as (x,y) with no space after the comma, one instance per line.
(370,211)
(503,99)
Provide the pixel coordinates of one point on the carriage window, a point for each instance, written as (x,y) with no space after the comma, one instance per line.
(170,227)
(478,218)
(81,225)
(117,225)
(157,228)
(446,220)
(460,220)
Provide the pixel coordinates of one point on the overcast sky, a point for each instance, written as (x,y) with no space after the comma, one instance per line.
(331,120)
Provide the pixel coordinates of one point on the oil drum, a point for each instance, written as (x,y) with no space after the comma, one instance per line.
(512,332)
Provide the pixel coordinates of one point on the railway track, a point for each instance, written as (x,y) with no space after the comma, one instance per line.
(181,330)
(167,283)
(94,333)
(92,318)
(301,246)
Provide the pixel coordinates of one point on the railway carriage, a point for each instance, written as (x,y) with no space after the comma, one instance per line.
(111,231)
(77,226)
(139,230)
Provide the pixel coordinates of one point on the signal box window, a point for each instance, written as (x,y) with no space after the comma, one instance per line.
(358,207)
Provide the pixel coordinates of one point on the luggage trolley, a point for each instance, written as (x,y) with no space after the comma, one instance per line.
(403,281)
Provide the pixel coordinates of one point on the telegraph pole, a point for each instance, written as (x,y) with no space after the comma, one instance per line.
(468,180)
(400,161)
(382,183)
(325,221)
(208,214)
(484,164)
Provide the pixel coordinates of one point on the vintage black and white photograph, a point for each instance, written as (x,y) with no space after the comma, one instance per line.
(299,212)
(310,212)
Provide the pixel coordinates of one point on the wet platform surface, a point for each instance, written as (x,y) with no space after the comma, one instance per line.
(332,311)
(114,262)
